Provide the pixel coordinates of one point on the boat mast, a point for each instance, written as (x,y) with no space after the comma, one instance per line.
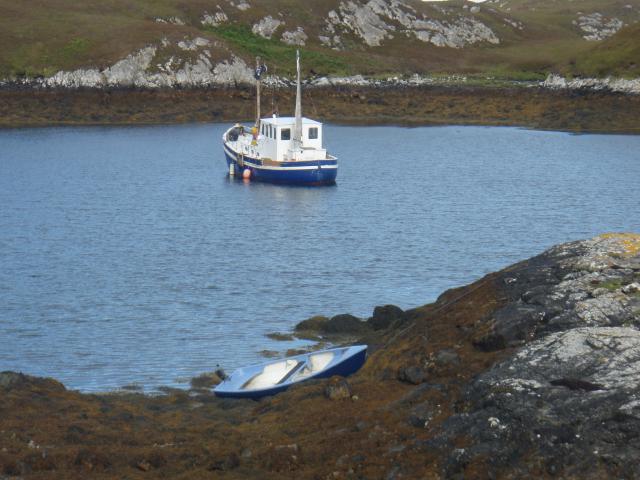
(258,76)
(297,131)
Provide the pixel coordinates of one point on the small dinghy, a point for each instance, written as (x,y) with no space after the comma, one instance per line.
(276,376)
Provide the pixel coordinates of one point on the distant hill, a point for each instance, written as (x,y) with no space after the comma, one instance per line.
(514,39)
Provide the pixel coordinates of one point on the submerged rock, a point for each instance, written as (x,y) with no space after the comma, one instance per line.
(313,324)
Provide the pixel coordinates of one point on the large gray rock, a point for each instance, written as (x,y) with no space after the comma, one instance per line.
(570,395)
(597,27)
(214,20)
(295,37)
(376,20)
(266,27)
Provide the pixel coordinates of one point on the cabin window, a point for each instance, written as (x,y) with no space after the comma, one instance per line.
(262,129)
(313,133)
(270,131)
(285,134)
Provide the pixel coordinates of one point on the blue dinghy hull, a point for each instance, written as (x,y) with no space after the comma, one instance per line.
(344,361)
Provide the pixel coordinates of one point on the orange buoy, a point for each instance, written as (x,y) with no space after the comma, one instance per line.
(246,174)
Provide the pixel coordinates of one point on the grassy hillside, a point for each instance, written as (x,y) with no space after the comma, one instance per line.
(619,56)
(40,37)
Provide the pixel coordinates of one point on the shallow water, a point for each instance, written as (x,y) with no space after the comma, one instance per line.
(128,256)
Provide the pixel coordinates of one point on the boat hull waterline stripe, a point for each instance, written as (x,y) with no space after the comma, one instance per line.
(313,174)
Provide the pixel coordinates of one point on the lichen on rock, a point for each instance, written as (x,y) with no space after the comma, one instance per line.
(376,20)
(138,70)
(214,20)
(575,380)
(597,27)
(295,37)
(266,27)
(622,85)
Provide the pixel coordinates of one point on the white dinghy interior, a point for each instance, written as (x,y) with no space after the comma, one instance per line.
(290,369)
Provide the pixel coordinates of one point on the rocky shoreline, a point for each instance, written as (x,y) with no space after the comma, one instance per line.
(566,109)
(533,371)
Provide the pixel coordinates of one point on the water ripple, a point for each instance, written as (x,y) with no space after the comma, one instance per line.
(128,257)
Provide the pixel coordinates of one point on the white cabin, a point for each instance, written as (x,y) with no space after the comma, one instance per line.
(275,140)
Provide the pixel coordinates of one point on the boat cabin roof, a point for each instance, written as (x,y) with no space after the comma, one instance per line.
(287,121)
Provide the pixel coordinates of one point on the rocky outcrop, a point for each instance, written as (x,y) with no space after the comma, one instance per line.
(621,85)
(13,380)
(597,27)
(266,27)
(295,37)
(377,20)
(214,20)
(137,70)
(172,20)
(194,44)
(345,326)
(570,395)
(338,325)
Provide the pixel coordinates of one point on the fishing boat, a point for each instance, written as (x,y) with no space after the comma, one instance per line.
(286,150)
(273,377)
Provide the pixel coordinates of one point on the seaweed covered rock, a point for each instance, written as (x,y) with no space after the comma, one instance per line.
(385,316)
(343,324)
(11,380)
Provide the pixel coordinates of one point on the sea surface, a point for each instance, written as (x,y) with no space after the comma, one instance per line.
(128,257)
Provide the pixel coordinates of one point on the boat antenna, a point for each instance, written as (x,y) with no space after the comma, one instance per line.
(260,69)
(297,131)
(274,108)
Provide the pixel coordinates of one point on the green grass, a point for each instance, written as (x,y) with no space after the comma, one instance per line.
(611,285)
(40,37)
(75,48)
(277,54)
(618,55)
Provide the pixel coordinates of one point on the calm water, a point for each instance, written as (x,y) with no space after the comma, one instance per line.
(127,256)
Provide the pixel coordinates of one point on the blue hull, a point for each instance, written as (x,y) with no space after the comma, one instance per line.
(322,172)
(344,368)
